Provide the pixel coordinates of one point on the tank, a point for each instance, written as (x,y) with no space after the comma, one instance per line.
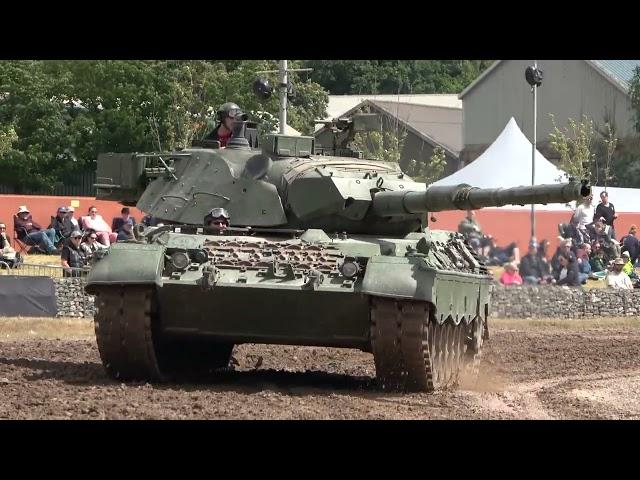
(322,250)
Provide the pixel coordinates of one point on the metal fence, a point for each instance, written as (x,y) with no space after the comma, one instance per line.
(77,184)
(35,270)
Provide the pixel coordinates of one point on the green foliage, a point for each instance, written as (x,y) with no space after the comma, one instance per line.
(342,77)
(383,146)
(634,92)
(430,171)
(57,116)
(575,145)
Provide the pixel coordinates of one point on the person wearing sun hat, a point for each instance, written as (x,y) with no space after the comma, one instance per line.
(31,233)
(616,278)
(74,221)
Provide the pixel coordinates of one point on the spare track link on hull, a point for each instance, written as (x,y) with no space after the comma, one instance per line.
(412,352)
(130,349)
(124,333)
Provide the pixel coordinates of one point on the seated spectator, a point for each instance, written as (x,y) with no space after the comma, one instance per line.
(95,222)
(569,274)
(563,249)
(582,257)
(31,233)
(510,276)
(61,224)
(7,254)
(499,256)
(533,267)
(126,232)
(74,221)
(631,244)
(602,234)
(616,278)
(73,257)
(91,245)
(628,266)
(125,217)
(596,259)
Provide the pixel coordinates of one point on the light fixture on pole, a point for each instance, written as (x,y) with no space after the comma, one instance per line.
(533,76)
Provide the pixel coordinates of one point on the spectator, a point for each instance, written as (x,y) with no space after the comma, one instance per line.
(91,245)
(569,274)
(499,256)
(582,257)
(533,267)
(471,231)
(73,257)
(605,212)
(596,259)
(628,266)
(563,249)
(126,232)
(95,222)
(616,278)
(510,276)
(72,219)
(631,244)
(7,254)
(31,233)
(584,213)
(125,217)
(61,224)
(602,235)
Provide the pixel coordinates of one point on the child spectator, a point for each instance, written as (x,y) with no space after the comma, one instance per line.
(510,276)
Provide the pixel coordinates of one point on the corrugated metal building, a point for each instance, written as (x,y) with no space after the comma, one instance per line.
(598,89)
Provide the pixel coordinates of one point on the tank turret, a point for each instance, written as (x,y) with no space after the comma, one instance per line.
(283,185)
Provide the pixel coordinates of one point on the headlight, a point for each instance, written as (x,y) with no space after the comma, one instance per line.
(350,269)
(180,260)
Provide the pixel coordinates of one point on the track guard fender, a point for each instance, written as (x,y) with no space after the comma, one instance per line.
(128,264)
(400,277)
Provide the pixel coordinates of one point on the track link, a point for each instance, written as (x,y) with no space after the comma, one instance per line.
(413,352)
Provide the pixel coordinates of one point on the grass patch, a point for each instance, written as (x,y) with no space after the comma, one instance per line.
(20,328)
(564,323)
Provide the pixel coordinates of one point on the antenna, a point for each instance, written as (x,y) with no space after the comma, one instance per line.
(283,86)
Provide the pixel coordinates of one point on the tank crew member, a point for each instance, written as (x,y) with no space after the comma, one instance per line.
(226,115)
(217,220)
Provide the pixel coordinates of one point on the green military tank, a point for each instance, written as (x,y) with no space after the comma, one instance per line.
(321,250)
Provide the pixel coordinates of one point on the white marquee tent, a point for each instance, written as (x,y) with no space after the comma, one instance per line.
(507,163)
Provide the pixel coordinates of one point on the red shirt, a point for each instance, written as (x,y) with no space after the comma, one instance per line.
(223,139)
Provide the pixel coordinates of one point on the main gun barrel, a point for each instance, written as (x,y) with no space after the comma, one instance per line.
(466,197)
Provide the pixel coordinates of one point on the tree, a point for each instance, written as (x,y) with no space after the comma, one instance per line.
(574,144)
(430,171)
(342,77)
(57,116)
(634,93)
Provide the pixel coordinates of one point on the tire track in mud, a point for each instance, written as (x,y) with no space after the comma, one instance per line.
(541,373)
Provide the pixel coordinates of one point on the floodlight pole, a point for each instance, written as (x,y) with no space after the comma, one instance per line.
(534,88)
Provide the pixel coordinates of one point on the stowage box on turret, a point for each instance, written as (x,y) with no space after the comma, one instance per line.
(321,250)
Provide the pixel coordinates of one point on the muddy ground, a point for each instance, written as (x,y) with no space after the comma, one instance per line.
(531,369)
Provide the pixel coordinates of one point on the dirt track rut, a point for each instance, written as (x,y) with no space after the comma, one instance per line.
(541,372)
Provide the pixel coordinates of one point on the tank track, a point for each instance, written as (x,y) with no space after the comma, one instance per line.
(132,349)
(412,352)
